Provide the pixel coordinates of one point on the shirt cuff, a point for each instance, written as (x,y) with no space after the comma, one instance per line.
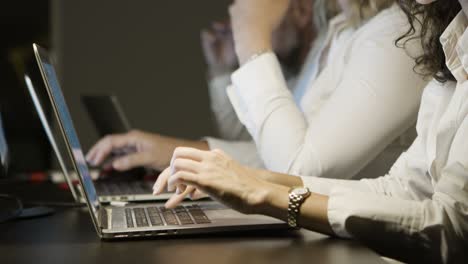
(338,206)
(256,88)
(388,214)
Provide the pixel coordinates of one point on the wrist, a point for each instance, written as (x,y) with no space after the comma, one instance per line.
(248,49)
(217,71)
(274,201)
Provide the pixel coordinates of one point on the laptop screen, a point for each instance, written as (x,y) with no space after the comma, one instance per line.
(66,124)
(48,130)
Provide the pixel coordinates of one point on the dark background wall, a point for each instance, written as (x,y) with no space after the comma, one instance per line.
(21,23)
(146,52)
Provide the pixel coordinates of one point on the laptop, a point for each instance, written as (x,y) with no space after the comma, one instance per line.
(108,117)
(144,219)
(115,186)
(106,113)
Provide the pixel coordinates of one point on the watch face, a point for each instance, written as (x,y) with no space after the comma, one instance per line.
(301,191)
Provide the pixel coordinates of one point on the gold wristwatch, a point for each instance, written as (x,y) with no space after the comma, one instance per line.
(297,196)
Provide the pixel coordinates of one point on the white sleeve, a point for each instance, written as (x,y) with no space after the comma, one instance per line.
(404,210)
(355,124)
(234,139)
(226,122)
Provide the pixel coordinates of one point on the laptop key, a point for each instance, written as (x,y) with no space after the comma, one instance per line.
(129,218)
(199,216)
(155,218)
(170,218)
(179,209)
(140,217)
(184,218)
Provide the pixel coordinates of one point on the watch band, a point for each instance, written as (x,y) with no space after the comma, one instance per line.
(295,202)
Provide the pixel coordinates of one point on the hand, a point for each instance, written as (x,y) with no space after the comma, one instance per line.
(150,150)
(218,49)
(181,192)
(215,174)
(253,23)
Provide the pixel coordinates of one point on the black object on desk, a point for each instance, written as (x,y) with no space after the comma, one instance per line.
(69,237)
(11,207)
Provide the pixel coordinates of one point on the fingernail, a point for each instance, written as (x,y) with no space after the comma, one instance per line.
(156,189)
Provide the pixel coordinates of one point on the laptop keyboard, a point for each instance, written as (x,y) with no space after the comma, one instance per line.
(158,216)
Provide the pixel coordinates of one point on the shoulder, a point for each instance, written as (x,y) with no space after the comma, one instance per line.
(376,41)
(384,29)
(389,21)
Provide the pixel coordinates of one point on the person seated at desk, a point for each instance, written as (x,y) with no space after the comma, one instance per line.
(341,114)
(291,42)
(418,212)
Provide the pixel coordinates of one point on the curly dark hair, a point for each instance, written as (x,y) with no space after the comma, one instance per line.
(432,19)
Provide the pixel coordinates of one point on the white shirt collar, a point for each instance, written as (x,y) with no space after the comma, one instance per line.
(454,41)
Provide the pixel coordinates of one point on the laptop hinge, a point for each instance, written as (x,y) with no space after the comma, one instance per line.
(103,218)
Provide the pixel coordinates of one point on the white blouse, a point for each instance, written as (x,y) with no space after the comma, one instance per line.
(421,206)
(234,138)
(347,116)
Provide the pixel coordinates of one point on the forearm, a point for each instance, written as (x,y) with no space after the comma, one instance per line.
(313,212)
(169,144)
(264,104)
(279,178)
(176,142)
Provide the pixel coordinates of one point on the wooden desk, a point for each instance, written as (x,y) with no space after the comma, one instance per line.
(69,237)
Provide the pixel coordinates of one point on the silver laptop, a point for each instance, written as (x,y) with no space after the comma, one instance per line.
(148,219)
(115,187)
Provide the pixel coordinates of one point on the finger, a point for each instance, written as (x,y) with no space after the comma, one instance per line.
(104,147)
(130,161)
(176,199)
(96,147)
(207,42)
(207,38)
(187,153)
(180,178)
(220,27)
(161,182)
(181,164)
(180,188)
(197,195)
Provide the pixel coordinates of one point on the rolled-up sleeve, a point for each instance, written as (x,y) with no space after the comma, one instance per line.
(227,124)
(234,139)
